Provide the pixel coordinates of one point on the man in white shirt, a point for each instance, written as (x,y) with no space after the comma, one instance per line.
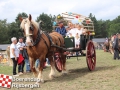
(14,54)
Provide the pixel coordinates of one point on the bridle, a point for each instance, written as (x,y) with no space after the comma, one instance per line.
(36,41)
(30,28)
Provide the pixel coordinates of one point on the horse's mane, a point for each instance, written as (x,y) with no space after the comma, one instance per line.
(33,22)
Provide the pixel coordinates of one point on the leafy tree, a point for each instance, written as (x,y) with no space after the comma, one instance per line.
(107,22)
(114,28)
(47,22)
(103,28)
(14,27)
(14,30)
(23,14)
(4,32)
(93,18)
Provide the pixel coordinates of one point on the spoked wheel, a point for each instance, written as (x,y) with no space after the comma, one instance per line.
(90,55)
(58,62)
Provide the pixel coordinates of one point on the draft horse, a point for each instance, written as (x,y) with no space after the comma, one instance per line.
(40,46)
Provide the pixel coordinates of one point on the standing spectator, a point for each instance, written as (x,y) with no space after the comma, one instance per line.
(37,63)
(14,54)
(21,46)
(47,62)
(26,59)
(106,40)
(115,46)
(61,29)
(111,45)
(107,45)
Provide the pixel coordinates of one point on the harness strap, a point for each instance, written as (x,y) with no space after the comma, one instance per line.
(38,38)
(50,38)
(59,39)
(45,43)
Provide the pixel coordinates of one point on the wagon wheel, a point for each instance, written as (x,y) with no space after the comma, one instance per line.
(90,55)
(58,63)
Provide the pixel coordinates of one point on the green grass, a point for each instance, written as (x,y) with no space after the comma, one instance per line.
(106,75)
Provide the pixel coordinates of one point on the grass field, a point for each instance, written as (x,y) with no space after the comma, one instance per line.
(106,76)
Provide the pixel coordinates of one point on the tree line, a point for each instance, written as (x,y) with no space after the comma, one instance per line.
(103,28)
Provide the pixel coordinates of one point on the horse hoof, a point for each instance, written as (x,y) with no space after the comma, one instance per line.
(64,72)
(35,74)
(51,77)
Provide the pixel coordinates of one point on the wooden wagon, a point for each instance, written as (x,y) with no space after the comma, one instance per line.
(86,42)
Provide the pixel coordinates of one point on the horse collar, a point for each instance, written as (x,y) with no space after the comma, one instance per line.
(37,39)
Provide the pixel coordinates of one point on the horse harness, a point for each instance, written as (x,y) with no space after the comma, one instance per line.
(39,36)
(51,41)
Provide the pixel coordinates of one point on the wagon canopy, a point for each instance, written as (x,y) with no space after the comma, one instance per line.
(76,18)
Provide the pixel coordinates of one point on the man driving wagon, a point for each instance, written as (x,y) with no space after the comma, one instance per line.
(61,29)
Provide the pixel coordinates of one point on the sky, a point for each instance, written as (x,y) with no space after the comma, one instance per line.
(102,9)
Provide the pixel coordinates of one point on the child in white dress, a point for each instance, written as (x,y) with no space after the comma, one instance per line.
(79,32)
(77,40)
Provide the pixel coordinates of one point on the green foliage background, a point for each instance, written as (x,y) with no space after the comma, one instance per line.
(103,28)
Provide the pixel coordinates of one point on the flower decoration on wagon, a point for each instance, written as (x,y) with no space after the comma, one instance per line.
(93,33)
(69,13)
(79,21)
(54,23)
(87,21)
(58,16)
(77,16)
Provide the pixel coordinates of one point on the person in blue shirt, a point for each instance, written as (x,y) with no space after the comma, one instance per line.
(61,29)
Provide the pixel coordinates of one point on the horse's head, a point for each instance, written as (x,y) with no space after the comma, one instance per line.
(29,29)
